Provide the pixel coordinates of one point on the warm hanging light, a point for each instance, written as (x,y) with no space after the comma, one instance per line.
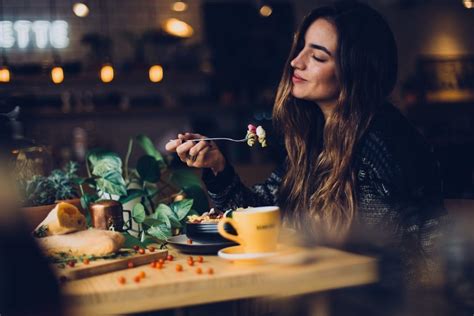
(179,6)
(468,4)
(107,73)
(155,73)
(266,10)
(80,9)
(57,74)
(4,74)
(178,28)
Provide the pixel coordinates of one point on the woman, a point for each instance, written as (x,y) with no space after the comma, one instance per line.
(355,171)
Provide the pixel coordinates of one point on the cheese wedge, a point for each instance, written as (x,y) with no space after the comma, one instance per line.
(90,242)
(63,219)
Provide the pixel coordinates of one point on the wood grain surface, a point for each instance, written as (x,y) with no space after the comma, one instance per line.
(166,288)
(96,267)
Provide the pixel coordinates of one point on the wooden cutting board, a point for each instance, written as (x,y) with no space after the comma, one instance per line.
(101,266)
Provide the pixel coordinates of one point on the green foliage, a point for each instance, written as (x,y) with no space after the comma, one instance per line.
(106,172)
(59,185)
(147,182)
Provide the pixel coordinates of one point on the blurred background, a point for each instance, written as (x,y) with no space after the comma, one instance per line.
(94,73)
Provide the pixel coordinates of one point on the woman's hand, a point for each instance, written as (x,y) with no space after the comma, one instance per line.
(203,154)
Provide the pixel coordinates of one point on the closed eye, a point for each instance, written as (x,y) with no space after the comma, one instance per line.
(318,59)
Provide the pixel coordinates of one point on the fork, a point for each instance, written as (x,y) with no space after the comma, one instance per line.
(220,138)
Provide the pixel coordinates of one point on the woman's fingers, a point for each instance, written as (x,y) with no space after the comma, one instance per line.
(189,152)
(201,160)
(183,150)
(188,136)
(173,144)
(194,151)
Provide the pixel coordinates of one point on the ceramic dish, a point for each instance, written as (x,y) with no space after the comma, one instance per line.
(207,232)
(180,242)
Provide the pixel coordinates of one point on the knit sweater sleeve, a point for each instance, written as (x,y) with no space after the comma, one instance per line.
(227,191)
(400,201)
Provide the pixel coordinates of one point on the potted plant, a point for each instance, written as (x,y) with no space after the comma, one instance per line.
(161,197)
(41,193)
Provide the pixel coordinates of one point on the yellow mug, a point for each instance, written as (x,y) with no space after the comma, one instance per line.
(257,228)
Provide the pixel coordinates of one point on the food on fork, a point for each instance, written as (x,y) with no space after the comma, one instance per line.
(255,134)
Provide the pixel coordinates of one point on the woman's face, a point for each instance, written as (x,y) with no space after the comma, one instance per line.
(314,68)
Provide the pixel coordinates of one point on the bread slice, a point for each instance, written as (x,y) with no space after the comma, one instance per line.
(63,219)
(91,242)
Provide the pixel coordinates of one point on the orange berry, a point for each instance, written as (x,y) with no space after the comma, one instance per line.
(179,268)
(210,271)
(200,259)
(199,271)
(121,280)
(151,248)
(153,264)
(137,279)
(142,274)
(86,261)
(191,262)
(141,251)
(159,266)
(161,261)
(130,264)
(191,258)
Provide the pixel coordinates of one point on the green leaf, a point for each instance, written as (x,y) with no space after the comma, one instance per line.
(138,213)
(181,208)
(159,232)
(104,161)
(150,221)
(162,218)
(163,230)
(149,147)
(131,241)
(105,166)
(112,183)
(173,218)
(131,194)
(148,168)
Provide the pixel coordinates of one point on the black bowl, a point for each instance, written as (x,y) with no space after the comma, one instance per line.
(207,232)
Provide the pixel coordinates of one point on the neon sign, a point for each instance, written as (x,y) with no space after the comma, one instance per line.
(22,33)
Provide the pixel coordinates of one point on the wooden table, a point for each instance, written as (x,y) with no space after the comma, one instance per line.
(166,288)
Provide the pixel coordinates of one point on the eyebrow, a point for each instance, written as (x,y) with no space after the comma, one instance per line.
(324,49)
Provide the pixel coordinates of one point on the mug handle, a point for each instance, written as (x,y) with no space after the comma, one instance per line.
(220,228)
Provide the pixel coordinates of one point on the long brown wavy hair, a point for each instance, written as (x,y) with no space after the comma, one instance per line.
(320,176)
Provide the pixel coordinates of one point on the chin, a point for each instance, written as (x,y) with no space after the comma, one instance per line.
(297,94)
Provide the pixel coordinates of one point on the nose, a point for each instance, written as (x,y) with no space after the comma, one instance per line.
(298,62)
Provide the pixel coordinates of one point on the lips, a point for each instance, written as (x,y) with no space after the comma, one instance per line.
(297,79)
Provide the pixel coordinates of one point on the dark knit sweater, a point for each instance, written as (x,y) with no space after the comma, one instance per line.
(399,201)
